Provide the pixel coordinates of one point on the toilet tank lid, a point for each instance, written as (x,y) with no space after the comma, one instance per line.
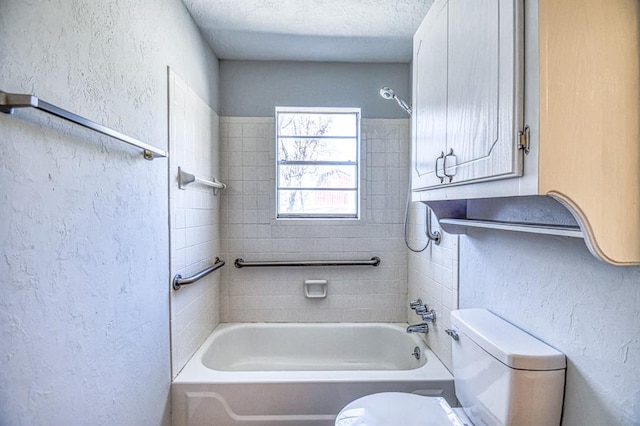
(506,342)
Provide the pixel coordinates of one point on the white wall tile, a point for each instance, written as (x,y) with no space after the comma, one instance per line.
(194,219)
(251,231)
(433,277)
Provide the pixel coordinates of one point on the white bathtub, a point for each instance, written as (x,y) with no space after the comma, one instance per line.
(300,374)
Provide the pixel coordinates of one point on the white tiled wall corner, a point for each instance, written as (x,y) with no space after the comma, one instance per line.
(194,220)
(250,231)
(433,277)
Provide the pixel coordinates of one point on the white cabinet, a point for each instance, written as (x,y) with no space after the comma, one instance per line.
(581,102)
(467,93)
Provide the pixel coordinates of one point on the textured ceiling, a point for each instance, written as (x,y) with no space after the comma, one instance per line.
(310,30)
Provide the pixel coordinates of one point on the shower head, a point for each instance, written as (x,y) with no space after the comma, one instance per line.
(388,93)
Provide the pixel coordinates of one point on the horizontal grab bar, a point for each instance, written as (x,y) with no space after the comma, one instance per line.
(9,101)
(185,179)
(178,281)
(241,263)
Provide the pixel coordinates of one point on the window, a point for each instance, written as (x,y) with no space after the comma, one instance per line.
(318,151)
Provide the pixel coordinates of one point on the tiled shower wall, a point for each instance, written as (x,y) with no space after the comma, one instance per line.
(250,231)
(433,277)
(194,219)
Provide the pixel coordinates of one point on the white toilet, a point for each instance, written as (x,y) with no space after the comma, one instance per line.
(502,375)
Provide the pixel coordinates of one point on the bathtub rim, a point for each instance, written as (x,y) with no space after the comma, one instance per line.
(195,372)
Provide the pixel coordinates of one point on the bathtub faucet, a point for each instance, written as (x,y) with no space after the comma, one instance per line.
(418,328)
(423,310)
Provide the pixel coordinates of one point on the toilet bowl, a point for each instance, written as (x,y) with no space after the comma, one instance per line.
(503,377)
(400,409)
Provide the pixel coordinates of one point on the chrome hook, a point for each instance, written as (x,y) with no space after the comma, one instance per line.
(431,235)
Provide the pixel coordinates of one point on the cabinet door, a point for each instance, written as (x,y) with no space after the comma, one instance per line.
(429,121)
(467,93)
(484,89)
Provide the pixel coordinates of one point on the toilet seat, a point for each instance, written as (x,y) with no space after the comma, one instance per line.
(398,409)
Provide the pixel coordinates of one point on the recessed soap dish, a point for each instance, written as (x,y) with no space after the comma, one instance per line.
(315,289)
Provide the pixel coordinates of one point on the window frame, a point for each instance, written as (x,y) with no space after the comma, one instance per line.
(319,110)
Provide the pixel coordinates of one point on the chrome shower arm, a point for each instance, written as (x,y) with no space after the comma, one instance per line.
(403,104)
(389,93)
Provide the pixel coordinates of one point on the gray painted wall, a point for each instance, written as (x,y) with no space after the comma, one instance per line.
(255,88)
(84,241)
(556,290)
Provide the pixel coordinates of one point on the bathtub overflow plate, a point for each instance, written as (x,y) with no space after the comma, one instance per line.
(416,353)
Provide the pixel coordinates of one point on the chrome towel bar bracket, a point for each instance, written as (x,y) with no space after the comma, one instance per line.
(10,101)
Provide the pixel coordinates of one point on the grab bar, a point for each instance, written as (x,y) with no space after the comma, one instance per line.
(178,281)
(241,263)
(9,101)
(185,179)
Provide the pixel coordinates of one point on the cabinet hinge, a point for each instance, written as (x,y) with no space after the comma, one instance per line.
(524,139)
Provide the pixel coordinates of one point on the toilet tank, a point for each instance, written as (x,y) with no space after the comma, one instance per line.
(504,376)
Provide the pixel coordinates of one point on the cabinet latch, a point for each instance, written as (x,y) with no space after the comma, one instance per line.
(524,137)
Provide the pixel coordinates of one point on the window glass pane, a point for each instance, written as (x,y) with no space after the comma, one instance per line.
(318,176)
(315,124)
(317,202)
(291,149)
(317,162)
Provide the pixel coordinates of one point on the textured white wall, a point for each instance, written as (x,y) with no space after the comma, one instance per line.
(251,232)
(556,290)
(194,219)
(84,318)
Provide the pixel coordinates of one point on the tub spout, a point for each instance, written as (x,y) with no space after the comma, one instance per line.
(418,328)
